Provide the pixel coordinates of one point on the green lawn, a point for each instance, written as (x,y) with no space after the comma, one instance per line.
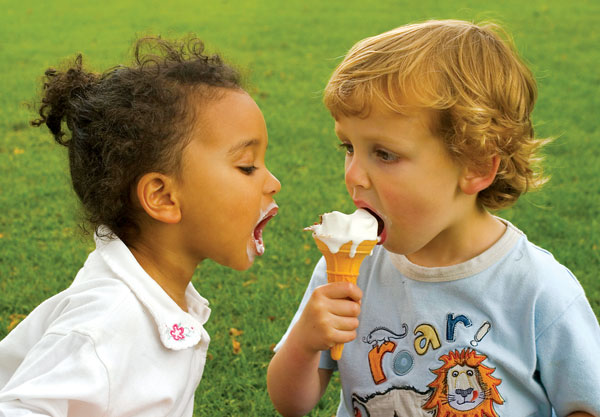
(288,50)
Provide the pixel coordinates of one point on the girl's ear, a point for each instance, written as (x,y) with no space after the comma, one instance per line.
(155,193)
(473,181)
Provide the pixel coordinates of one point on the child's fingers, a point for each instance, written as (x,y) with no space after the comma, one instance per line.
(336,330)
(330,316)
(340,290)
(343,336)
(345,308)
(345,323)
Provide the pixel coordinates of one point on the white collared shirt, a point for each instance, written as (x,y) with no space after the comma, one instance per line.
(112,344)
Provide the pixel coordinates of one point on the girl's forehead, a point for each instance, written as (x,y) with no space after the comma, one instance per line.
(231,121)
(204,99)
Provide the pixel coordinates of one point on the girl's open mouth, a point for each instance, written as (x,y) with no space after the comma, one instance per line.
(267,215)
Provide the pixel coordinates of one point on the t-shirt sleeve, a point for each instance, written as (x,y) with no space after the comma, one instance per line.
(61,375)
(568,352)
(319,277)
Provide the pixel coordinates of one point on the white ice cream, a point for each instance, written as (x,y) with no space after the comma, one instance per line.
(338,228)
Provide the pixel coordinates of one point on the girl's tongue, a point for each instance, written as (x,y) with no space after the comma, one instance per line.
(258,230)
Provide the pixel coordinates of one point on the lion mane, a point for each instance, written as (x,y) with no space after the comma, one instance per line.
(464,387)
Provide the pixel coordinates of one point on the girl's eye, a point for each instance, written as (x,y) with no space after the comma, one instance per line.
(248,170)
(347,147)
(386,156)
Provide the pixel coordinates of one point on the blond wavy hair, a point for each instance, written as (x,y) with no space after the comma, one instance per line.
(471,75)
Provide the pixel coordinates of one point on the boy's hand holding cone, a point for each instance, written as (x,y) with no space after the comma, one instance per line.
(345,241)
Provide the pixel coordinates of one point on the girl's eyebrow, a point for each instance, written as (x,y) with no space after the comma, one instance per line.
(242,145)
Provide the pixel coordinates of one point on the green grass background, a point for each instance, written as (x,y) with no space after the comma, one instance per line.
(287,49)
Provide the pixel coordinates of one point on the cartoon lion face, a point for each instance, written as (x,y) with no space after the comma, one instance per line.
(464,386)
(464,390)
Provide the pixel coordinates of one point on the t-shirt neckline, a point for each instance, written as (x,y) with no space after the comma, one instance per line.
(465,269)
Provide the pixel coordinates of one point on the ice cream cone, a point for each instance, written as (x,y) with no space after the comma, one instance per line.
(344,266)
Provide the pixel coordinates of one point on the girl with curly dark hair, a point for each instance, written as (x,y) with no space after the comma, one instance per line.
(167,157)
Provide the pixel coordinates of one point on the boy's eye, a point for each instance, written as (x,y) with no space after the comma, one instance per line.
(248,170)
(347,147)
(385,155)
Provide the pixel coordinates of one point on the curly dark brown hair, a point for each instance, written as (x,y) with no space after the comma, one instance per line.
(129,121)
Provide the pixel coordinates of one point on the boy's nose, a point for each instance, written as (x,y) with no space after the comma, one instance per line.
(356,174)
(272,185)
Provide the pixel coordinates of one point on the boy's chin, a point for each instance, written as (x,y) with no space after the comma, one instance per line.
(394,247)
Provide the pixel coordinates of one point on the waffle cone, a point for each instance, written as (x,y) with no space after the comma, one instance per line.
(341,267)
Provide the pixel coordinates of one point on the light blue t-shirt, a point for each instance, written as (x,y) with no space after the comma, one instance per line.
(507,333)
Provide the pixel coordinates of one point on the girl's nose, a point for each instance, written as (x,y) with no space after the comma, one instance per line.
(272,185)
(356,173)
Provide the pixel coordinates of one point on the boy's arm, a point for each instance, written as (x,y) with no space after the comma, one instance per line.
(294,380)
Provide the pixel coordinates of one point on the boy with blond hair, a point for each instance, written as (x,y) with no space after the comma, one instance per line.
(456,313)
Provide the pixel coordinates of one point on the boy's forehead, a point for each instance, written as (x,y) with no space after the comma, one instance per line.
(379,109)
(362,103)
(378,114)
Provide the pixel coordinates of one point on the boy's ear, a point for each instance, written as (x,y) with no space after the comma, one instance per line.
(473,181)
(155,192)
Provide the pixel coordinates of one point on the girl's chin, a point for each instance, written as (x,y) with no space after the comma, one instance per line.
(239,261)
(241,264)
(252,250)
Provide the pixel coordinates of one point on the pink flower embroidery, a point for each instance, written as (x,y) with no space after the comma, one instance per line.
(177,332)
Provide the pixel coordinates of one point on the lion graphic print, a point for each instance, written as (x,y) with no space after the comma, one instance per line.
(464,387)
(460,384)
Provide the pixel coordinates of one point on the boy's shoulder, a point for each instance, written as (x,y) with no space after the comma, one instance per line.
(541,264)
(553,286)
(513,258)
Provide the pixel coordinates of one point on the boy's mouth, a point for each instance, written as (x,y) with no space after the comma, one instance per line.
(266,215)
(381,231)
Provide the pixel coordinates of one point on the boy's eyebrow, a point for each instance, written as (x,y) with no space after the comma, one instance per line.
(339,133)
(242,145)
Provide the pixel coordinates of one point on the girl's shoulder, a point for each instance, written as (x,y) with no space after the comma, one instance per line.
(92,305)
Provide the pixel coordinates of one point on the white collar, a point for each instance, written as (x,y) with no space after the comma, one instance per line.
(177,329)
